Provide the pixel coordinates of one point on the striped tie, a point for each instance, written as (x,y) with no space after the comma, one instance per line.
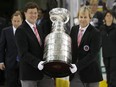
(80,34)
(37,35)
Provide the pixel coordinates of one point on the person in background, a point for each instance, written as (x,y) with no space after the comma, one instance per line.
(103,4)
(30,43)
(86,43)
(97,16)
(40,16)
(109,3)
(114,11)
(108,30)
(43,23)
(8,51)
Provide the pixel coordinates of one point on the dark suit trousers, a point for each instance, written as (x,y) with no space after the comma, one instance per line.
(76,82)
(45,82)
(12,77)
(2,78)
(110,65)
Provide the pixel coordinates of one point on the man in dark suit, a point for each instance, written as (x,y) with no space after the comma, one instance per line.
(8,51)
(30,43)
(86,44)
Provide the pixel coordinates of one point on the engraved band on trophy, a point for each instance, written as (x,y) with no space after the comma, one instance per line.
(57,47)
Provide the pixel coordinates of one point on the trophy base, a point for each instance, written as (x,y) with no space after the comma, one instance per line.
(57,69)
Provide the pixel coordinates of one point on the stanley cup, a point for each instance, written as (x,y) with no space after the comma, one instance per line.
(57,47)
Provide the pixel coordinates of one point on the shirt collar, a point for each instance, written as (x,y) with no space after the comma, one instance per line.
(31,25)
(84,29)
(14,29)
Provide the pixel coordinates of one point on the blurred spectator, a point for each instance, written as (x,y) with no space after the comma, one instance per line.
(108,30)
(103,4)
(51,4)
(114,11)
(40,16)
(109,3)
(43,23)
(8,52)
(97,17)
(43,16)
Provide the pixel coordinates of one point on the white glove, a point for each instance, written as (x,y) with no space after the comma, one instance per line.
(40,65)
(73,69)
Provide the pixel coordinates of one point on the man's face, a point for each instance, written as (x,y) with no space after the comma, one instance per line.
(40,14)
(31,15)
(16,21)
(94,7)
(84,19)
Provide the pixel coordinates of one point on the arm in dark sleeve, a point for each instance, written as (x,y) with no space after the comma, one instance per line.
(2,46)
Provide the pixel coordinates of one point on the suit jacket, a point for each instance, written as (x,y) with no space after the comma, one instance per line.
(30,51)
(85,56)
(8,49)
(108,40)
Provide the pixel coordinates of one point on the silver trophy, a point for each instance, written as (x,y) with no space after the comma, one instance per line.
(57,47)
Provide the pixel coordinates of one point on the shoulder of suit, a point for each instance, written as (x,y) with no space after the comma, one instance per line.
(75,26)
(7,28)
(93,28)
(23,26)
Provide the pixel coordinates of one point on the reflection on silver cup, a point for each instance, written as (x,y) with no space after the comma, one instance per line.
(57,47)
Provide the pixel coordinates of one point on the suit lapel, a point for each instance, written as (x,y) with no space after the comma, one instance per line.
(31,33)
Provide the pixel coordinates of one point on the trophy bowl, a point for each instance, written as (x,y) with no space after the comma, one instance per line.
(57,68)
(57,46)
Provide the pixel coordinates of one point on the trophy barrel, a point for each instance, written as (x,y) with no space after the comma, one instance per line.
(57,46)
(57,54)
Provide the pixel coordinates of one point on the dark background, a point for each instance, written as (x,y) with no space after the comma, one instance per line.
(7,7)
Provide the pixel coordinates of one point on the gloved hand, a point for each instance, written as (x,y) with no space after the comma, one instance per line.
(40,65)
(73,69)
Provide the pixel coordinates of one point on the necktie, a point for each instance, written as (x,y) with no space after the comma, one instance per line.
(80,34)
(37,35)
